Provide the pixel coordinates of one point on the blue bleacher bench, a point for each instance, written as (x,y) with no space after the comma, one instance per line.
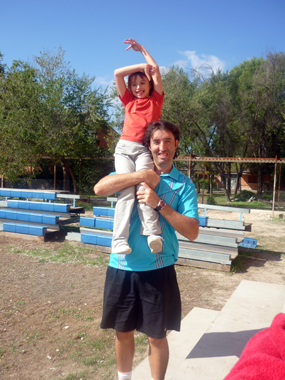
(28,217)
(97,223)
(96,239)
(104,211)
(39,206)
(25,229)
(17,193)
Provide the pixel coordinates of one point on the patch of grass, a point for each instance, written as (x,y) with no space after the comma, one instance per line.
(140,339)
(68,312)
(99,361)
(98,345)
(266,196)
(79,376)
(93,360)
(79,314)
(241,200)
(277,220)
(66,253)
(1,352)
(81,334)
(32,337)
(95,353)
(12,347)
(238,264)
(141,342)
(87,206)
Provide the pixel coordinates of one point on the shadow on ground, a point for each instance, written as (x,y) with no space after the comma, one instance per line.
(248,258)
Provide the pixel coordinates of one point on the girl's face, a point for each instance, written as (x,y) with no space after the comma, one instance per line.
(140,87)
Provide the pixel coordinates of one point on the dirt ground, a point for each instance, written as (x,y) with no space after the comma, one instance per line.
(50,312)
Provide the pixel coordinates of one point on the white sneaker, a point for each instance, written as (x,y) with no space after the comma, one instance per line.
(122,249)
(155,243)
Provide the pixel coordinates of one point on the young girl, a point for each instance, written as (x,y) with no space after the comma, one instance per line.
(143,100)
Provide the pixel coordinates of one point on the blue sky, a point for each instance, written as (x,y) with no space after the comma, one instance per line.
(221,33)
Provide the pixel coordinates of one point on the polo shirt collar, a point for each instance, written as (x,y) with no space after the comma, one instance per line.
(168,183)
(173,174)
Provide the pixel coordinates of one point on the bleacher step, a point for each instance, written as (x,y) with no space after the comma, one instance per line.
(50,235)
(251,308)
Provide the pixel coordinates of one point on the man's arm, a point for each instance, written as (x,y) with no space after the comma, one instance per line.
(113,183)
(186,226)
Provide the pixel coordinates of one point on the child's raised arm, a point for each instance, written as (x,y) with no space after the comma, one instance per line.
(156,76)
(121,73)
(150,69)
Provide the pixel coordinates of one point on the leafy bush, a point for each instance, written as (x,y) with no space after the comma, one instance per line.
(211,201)
(244,196)
(206,183)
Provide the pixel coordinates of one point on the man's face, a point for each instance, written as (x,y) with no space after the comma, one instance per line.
(163,146)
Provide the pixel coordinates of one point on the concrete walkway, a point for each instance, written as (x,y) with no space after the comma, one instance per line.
(211,342)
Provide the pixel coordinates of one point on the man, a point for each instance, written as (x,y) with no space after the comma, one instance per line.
(141,290)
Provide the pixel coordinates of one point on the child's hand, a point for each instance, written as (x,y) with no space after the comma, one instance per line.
(149,71)
(133,44)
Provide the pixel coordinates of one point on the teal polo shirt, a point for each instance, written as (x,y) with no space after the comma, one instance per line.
(178,191)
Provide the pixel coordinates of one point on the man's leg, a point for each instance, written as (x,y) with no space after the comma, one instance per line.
(125,349)
(158,357)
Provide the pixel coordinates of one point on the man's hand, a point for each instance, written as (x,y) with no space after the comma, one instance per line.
(151,178)
(186,226)
(147,196)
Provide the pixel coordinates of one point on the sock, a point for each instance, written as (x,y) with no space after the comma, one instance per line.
(125,375)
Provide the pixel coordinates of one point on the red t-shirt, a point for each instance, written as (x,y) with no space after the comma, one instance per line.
(139,113)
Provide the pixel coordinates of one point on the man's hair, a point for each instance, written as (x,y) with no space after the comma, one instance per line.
(143,76)
(162,126)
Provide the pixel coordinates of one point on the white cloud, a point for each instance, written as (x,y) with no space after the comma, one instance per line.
(163,69)
(182,63)
(203,60)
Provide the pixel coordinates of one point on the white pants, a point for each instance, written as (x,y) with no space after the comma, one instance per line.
(130,157)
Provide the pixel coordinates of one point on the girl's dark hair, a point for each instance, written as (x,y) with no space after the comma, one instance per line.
(143,76)
(163,126)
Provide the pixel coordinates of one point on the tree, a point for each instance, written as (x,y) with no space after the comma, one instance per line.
(213,120)
(20,113)
(179,107)
(269,95)
(2,66)
(257,87)
(58,114)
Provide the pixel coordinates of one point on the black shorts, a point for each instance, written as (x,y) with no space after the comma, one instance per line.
(148,302)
